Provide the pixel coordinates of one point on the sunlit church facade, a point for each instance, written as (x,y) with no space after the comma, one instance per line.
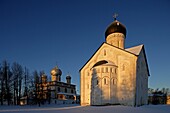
(114,74)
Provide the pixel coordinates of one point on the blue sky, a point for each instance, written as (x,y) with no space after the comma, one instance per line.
(39,34)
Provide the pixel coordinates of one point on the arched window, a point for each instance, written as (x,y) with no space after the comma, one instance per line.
(120,43)
(97,82)
(114,81)
(104,52)
(102,70)
(110,70)
(105,81)
(106,69)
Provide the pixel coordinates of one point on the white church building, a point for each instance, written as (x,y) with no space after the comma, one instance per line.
(114,74)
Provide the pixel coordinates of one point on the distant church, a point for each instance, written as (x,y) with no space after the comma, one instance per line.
(113,74)
(55,90)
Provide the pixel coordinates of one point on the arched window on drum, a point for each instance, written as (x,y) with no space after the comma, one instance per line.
(105,81)
(114,80)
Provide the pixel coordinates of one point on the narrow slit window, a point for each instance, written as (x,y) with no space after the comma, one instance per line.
(114,81)
(97,82)
(104,52)
(110,70)
(105,81)
(106,70)
(115,70)
(102,70)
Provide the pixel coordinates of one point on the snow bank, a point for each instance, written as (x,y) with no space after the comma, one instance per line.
(88,109)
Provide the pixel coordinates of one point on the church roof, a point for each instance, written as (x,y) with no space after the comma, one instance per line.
(109,45)
(104,63)
(135,50)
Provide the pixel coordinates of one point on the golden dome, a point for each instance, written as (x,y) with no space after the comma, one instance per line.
(56,71)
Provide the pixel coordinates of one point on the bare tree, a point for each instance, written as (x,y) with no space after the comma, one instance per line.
(26,83)
(5,83)
(2,85)
(17,71)
(36,86)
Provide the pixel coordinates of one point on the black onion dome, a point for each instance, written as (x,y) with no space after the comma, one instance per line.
(68,77)
(115,27)
(56,71)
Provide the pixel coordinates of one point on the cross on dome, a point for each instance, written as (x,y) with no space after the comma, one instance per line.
(115,15)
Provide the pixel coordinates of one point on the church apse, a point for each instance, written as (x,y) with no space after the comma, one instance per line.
(103,83)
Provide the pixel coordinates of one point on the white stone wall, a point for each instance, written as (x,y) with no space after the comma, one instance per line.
(127,80)
(142,81)
(124,90)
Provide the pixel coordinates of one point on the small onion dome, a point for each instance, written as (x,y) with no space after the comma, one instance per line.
(56,71)
(115,27)
(68,77)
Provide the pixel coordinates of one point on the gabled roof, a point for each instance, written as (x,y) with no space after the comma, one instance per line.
(135,50)
(109,45)
(91,56)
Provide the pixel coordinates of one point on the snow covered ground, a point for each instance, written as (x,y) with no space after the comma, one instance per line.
(88,109)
